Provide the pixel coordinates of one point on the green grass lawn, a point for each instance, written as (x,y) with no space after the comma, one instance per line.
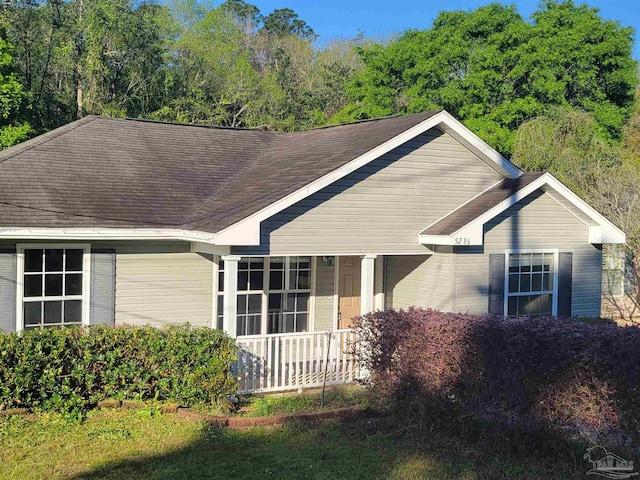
(280,404)
(142,444)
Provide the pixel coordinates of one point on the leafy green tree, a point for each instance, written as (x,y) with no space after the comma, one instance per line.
(246,14)
(89,56)
(12,96)
(284,22)
(568,143)
(494,70)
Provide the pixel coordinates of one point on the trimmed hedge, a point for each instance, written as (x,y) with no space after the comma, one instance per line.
(582,379)
(71,369)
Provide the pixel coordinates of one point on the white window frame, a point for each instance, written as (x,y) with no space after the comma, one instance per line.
(554,301)
(621,256)
(287,290)
(265,273)
(86,278)
(266,290)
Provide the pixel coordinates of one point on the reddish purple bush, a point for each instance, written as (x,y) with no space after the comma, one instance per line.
(577,377)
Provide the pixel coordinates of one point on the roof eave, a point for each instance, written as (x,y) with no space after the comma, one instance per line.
(31,233)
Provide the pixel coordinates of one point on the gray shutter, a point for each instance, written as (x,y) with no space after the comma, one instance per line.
(103,287)
(8,273)
(496,284)
(565,265)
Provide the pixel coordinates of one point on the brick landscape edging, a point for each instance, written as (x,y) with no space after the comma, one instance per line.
(241,423)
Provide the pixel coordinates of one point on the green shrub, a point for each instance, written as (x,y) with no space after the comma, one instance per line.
(71,369)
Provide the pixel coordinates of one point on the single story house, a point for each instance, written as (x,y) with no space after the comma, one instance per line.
(119,221)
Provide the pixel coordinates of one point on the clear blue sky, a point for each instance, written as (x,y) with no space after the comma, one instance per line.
(381,18)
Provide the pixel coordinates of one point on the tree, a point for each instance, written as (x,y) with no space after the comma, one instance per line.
(568,143)
(284,22)
(493,70)
(245,14)
(12,96)
(89,56)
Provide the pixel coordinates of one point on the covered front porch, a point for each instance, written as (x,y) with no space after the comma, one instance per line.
(292,315)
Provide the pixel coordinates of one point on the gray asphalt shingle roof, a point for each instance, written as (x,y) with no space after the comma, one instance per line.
(103,172)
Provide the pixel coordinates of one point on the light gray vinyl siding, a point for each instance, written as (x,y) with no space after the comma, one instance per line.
(381,207)
(416,280)
(537,222)
(162,284)
(324,300)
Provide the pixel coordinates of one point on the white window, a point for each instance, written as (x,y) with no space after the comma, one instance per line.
(273,296)
(614,259)
(249,298)
(53,286)
(531,283)
(289,294)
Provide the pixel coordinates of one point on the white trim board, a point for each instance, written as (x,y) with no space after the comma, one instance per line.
(473,232)
(195,236)
(247,231)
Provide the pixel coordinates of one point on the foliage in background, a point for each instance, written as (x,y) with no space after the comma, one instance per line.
(231,64)
(578,378)
(493,70)
(12,97)
(182,61)
(71,369)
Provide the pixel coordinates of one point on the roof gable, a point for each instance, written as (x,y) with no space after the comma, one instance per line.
(247,230)
(464,226)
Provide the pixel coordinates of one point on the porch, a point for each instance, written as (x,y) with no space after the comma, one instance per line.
(291,316)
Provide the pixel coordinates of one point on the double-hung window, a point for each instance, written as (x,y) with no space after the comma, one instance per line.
(289,294)
(273,295)
(614,261)
(531,284)
(249,298)
(53,286)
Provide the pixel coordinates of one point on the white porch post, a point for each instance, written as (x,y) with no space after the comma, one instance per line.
(214,291)
(229,312)
(378,301)
(367,279)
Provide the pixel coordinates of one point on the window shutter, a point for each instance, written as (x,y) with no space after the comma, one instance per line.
(496,284)
(565,265)
(103,285)
(8,273)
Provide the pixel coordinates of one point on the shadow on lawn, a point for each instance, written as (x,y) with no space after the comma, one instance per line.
(364,446)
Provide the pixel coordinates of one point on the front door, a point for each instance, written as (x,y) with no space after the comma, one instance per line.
(348,290)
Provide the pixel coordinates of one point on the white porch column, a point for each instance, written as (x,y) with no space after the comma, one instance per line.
(214,291)
(367,279)
(378,301)
(229,312)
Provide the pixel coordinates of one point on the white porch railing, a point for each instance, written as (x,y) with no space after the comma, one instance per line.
(288,361)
